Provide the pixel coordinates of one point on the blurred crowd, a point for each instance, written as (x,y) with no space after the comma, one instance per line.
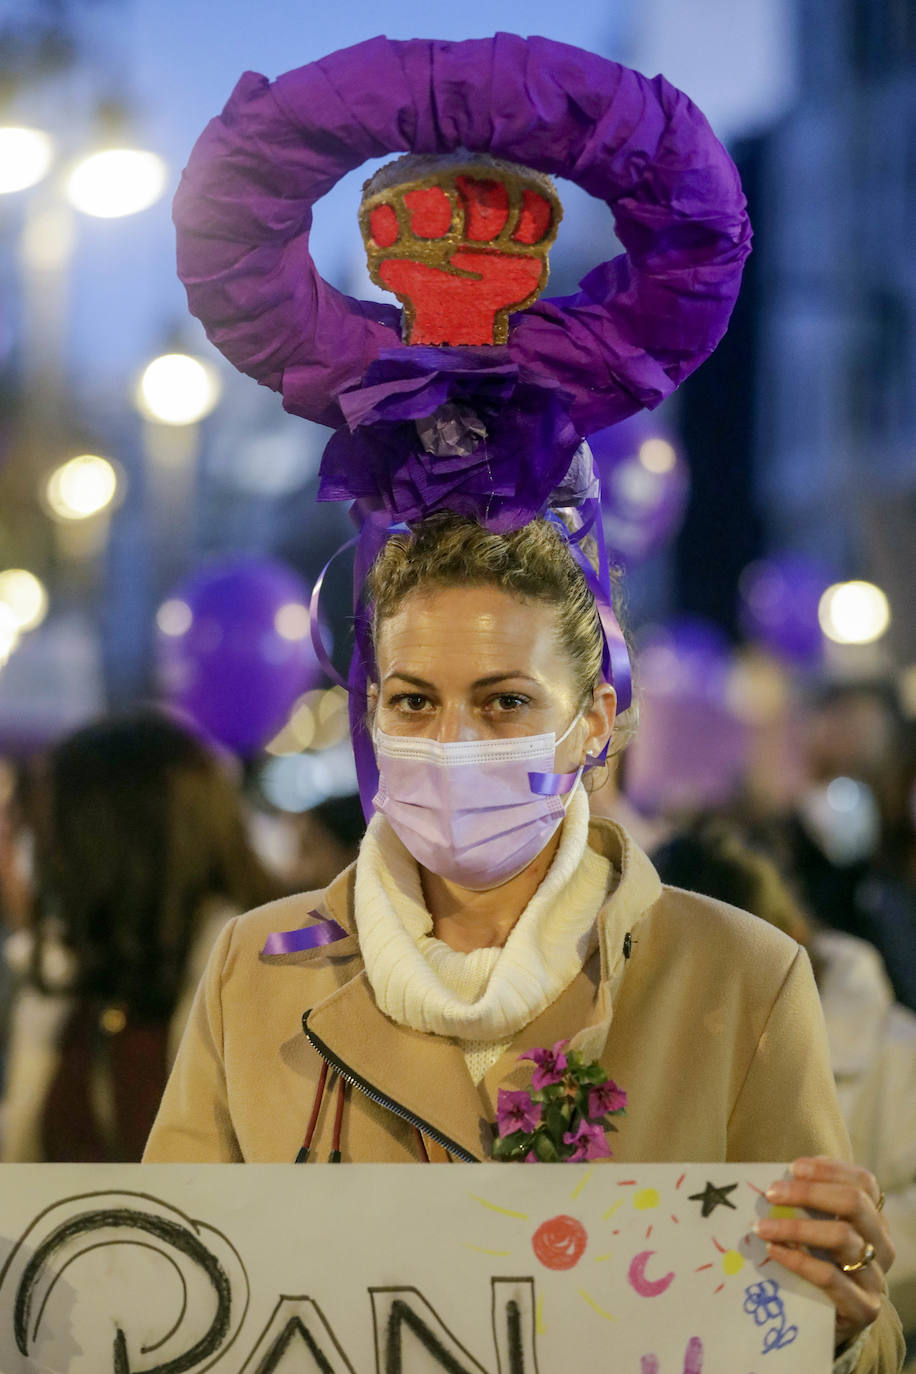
(126,846)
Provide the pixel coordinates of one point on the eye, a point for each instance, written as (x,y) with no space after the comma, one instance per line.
(409,702)
(507,702)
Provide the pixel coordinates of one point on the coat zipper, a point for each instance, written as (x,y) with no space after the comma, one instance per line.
(381,1100)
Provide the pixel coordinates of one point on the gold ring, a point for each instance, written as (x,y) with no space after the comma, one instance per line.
(866,1257)
(879,1205)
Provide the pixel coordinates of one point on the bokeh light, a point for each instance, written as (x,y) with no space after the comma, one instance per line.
(292,620)
(854,613)
(657,455)
(9,632)
(25,595)
(116,182)
(25,156)
(176,389)
(299,781)
(174,617)
(81,487)
(319,720)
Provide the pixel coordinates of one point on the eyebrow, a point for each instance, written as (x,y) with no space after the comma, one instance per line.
(479,682)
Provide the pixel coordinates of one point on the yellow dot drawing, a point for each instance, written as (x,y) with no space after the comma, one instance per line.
(732,1262)
(582,1182)
(608,1316)
(522,1216)
(644,1199)
(783,1212)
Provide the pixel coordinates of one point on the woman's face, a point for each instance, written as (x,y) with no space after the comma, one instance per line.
(461,663)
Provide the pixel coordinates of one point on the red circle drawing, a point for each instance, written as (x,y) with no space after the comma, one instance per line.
(560,1243)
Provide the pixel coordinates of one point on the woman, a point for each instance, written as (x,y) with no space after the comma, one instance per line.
(482,919)
(140,857)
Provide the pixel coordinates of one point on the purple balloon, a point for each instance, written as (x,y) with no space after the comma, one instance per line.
(644,487)
(230,653)
(688,657)
(690,749)
(779,598)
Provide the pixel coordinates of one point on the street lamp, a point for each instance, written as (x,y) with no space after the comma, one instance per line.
(177,389)
(9,633)
(854,613)
(25,157)
(24,595)
(116,182)
(81,487)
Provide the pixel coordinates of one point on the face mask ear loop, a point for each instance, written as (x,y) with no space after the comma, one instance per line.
(557,784)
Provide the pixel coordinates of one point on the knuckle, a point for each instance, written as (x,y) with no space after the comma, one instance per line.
(850,1200)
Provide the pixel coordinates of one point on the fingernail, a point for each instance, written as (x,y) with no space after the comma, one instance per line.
(777,1191)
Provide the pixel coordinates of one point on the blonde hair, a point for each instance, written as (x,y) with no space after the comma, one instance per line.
(533,563)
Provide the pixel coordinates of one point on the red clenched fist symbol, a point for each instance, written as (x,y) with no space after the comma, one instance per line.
(458,261)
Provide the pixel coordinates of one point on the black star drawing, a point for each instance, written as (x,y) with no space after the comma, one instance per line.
(712,1196)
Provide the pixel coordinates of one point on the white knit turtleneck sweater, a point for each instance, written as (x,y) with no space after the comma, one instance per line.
(485,997)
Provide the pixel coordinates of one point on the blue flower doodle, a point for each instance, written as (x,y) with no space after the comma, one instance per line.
(764,1304)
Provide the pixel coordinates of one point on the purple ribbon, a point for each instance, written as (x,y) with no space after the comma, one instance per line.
(375,529)
(321,652)
(616,656)
(305,937)
(552,784)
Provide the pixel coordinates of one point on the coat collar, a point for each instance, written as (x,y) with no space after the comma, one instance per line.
(425,1075)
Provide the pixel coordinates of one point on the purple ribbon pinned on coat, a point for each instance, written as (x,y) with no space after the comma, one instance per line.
(324,932)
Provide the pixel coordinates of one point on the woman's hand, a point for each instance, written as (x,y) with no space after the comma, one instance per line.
(848,1198)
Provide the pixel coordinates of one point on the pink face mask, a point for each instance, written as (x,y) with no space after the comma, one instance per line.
(474,811)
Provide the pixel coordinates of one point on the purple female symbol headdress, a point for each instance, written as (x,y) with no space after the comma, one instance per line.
(491,431)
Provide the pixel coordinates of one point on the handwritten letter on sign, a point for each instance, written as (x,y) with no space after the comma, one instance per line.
(398,1269)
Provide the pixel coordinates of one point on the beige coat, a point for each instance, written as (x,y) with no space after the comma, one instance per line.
(716,1036)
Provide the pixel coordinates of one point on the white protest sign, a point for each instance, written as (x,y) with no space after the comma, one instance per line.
(398,1269)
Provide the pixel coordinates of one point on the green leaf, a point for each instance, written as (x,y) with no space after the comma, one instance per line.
(545,1149)
(504,1145)
(556,1119)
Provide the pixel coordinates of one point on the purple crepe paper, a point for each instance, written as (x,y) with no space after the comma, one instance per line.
(636,328)
(505,481)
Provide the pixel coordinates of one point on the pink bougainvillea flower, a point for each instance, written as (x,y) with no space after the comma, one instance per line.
(550,1065)
(606,1097)
(590,1142)
(516,1112)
